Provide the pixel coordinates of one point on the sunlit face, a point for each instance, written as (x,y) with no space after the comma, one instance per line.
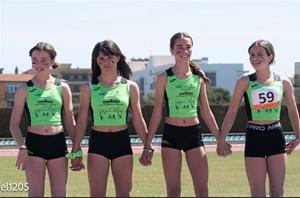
(107,62)
(182,49)
(41,61)
(259,57)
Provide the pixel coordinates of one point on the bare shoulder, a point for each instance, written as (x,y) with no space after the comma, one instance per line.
(86,87)
(22,89)
(65,84)
(132,83)
(286,81)
(162,77)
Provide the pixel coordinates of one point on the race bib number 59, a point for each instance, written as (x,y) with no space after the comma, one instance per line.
(265,98)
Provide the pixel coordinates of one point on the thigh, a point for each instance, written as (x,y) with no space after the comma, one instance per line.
(58,174)
(256,169)
(97,167)
(171,160)
(35,175)
(122,168)
(277,169)
(197,162)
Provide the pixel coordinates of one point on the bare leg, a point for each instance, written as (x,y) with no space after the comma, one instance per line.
(256,168)
(98,167)
(276,171)
(197,162)
(122,168)
(58,176)
(171,160)
(35,174)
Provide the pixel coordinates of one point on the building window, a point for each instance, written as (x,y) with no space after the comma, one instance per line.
(12,88)
(212,78)
(65,76)
(141,84)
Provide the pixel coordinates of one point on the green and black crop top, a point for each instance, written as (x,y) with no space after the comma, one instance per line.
(263,102)
(44,105)
(109,106)
(181,95)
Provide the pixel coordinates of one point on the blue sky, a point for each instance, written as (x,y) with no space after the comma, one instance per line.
(222,30)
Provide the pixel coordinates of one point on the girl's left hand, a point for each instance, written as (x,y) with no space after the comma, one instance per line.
(291,146)
(146,157)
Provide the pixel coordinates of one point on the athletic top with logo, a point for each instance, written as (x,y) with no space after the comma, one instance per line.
(181,95)
(263,102)
(109,106)
(44,105)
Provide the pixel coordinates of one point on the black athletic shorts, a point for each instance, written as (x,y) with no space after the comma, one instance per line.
(182,137)
(110,144)
(264,140)
(46,146)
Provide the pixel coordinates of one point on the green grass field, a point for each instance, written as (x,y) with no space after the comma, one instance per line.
(226,178)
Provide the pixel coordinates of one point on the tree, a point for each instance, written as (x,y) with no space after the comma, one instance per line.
(217,95)
(149,98)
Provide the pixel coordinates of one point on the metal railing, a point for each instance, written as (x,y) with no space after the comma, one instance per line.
(135,140)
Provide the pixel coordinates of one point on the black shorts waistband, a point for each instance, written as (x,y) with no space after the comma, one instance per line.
(264,127)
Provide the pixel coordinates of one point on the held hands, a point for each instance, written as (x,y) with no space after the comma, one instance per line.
(76,160)
(223,148)
(292,145)
(146,156)
(22,158)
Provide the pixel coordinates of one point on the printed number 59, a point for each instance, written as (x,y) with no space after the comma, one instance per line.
(266,97)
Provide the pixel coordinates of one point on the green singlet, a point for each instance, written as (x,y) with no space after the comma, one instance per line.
(181,95)
(263,102)
(44,106)
(110,105)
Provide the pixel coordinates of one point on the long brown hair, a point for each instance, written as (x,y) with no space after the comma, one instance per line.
(46,47)
(195,68)
(109,47)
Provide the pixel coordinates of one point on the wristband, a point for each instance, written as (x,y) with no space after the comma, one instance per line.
(22,148)
(148,148)
(73,155)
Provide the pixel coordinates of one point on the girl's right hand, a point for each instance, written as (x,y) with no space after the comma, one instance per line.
(22,159)
(76,164)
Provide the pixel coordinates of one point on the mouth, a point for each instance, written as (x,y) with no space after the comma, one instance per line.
(39,69)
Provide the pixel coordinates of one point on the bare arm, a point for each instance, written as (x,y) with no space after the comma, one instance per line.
(206,112)
(81,121)
(14,126)
(135,107)
(68,110)
(16,116)
(158,106)
(240,89)
(293,113)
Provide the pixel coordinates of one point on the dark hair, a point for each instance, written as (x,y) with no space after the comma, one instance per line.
(109,47)
(195,68)
(267,45)
(46,47)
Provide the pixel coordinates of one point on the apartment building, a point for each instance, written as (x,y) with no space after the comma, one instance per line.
(8,86)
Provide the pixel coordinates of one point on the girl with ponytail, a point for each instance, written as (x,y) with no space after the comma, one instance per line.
(183,88)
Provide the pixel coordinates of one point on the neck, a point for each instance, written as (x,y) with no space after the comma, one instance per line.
(107,78)
(182,67)
(42,77)
(264,75)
